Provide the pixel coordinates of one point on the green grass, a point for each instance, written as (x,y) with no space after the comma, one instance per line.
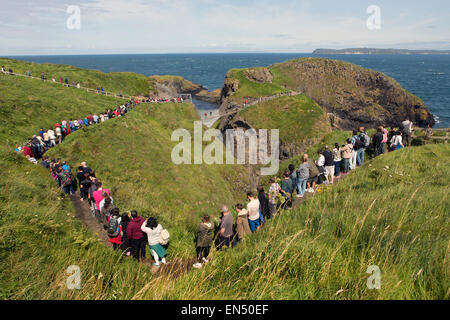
(297,117)
(132,157)
(392,213)
(126,83)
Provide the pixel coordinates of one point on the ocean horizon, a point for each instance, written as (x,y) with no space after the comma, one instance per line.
(426,76)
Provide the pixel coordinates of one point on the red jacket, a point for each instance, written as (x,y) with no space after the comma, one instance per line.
(134,228)
(27,151)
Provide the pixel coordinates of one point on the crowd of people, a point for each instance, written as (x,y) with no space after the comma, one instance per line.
(331,164)
(99,90)
(45,139)
(130,233)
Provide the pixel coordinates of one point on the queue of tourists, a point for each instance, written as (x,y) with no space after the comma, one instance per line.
(130,233)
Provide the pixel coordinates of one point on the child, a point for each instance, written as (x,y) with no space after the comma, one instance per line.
(204,241)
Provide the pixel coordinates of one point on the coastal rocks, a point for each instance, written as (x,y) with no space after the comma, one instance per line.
(173,86)
(260,75)
(354,95)
(230,86)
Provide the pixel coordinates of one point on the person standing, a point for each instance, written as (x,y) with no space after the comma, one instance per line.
(136,236)
(347,155)
(226,228)
(378,142)
(337,158)
(253,212)
(204,241)
(153,231)
(407,131)
(263,204)
(365,142)
(287,188)
(274,191)
(242,226)
(385,139)
(52,137)
(303,176)
(354,150)
(329,165)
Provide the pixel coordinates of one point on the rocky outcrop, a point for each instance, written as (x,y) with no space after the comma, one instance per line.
(354,95)
(173,86)
(260,75)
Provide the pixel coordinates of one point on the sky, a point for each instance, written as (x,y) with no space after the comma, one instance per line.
(40,27)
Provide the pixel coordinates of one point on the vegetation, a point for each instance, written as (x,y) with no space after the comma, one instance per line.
(392,212)
(297,117)
(127,83)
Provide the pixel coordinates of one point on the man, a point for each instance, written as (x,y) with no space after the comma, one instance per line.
(287,188)
(407,131)
(365,139)
(52,137)
(253,212)
(86,169)
(378,142)
(136,237)
(354,140)
(329,165)
(313,174)
(226,228)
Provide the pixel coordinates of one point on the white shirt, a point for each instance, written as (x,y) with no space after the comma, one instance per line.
(152,234)
(321,161)
(253,210)
(51,134)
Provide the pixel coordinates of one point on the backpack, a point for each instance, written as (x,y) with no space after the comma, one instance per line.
(67,179)
(113,228)
(365,139)
(164,237)
(358,144)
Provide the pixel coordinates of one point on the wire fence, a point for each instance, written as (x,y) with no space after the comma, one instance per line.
(185,97)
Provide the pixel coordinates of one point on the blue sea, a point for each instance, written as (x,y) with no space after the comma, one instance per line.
(427,76)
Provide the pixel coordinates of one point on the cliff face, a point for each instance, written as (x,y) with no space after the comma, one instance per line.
(353,96)
(172,86)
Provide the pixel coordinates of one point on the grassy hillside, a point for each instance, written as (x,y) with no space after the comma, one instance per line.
(39,235)
(392,213)
(132,157)
(125,82)
(357,96)
(298,118)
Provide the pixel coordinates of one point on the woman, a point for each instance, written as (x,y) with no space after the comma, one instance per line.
(263,204)
(397,141)
(153,231)
(204,241)
(115,221)
(274,191)
(337,160)
(346,155)
(242,226)
(320,163)
(85,184)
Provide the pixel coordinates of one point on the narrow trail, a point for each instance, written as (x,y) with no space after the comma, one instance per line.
(173,269)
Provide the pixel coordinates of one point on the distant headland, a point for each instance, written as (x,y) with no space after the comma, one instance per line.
(378,51)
